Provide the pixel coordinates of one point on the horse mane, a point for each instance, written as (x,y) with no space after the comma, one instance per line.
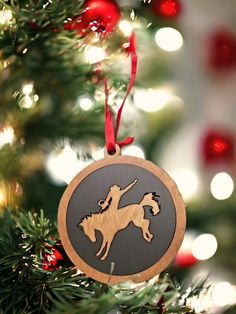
(87,217)
(154,197)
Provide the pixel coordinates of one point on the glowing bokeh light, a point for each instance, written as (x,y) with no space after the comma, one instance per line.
(223,294)
(133,150)
(125,27)
(169,39)
(85,103)
(6,136)
(187,182)
(26,102)
(204,246)
(2,197)
(150,100)
(222,186)
(94,54)
(27,88)
(63,165)
(186,246)
(97,153)
(5,16)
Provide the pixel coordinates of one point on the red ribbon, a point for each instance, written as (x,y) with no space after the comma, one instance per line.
(111,133)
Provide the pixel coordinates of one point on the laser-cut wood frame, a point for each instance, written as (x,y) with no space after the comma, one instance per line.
(178,234)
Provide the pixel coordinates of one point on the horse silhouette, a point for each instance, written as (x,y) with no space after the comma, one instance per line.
(112,219)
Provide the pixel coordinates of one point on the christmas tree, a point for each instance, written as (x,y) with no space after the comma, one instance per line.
(55,57)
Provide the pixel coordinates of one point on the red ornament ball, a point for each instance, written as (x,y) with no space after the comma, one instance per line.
(166,8)
(218,147)
(55,257)
(222,50)
(100,16)
(185,260)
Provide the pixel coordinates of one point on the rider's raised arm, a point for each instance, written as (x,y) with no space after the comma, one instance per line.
(129,187)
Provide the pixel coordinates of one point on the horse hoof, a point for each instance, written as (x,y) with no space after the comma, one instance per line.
(102,258)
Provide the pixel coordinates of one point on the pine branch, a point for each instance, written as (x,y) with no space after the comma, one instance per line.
(28,288)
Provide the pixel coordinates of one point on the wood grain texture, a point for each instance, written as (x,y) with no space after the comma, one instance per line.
(172,249)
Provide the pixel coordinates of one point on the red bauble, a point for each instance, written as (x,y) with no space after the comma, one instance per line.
(55,257)
(166,8)
(218,147)
(185,260)
(51,260)
(222,50)
(100,16)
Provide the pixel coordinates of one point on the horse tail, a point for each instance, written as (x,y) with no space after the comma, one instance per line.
(150,199)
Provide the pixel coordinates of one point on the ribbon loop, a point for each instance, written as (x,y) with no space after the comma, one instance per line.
(111,133)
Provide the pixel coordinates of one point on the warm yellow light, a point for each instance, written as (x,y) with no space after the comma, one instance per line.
(169,39)
(6,136)
(27,88)
(2,197)
(223,294)
(94,54)
(222,186)
(204,246)
(63,165)
(5,16)
(26,102)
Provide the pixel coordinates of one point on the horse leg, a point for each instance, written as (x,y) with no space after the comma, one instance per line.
(101,248)
(144,225)
(145,230)
(107,250)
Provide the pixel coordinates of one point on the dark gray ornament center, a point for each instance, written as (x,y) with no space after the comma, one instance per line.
(129,251)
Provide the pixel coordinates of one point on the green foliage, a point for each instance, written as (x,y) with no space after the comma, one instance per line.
(35,49)
(27,288)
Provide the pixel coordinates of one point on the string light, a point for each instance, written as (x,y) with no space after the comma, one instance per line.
(94,54)
(222,186)
(187,182)
(6,136)
(204,246)
(169,39)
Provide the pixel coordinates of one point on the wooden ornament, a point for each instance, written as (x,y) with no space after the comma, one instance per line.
(122,218)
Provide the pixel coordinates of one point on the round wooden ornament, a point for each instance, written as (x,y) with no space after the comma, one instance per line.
(121,218)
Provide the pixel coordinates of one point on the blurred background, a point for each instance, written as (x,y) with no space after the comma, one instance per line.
(181,112)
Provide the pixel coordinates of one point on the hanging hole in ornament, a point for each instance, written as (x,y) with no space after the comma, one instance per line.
(114,153)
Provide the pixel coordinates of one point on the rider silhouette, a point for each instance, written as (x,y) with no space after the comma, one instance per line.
(112,200)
